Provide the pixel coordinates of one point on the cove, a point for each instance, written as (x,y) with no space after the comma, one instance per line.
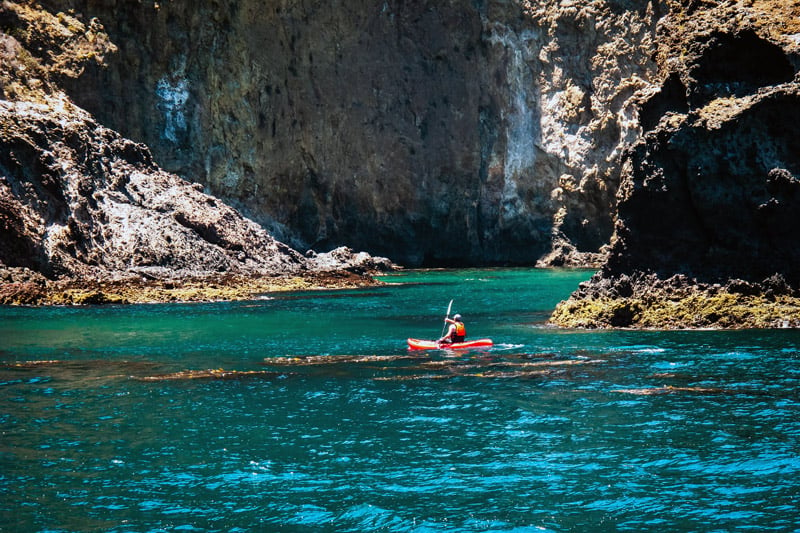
(304,411)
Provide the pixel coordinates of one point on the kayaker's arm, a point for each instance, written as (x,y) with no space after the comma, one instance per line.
(450,331)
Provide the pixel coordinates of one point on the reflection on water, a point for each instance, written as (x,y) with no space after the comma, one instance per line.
(306,412)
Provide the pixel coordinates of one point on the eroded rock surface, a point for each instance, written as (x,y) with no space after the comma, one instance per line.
(435,133)
(87,216)
(709,201)
(78,200)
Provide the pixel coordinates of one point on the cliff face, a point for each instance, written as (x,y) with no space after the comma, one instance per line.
(454,132)
(710,190)
(78,201)
(709,204)
(457,132)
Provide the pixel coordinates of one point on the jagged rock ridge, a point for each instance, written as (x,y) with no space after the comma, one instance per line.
(78,200)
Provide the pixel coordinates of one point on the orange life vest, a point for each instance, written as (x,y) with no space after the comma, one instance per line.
(460,332)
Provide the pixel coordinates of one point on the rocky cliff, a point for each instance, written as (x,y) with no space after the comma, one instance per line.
(455,132)
(82,204)
(78,200)
(661,135)
(709,205)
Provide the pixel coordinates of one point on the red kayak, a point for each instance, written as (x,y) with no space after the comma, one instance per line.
(417,344)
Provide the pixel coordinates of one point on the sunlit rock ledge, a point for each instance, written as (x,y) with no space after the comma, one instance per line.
(644,301)
(19,286)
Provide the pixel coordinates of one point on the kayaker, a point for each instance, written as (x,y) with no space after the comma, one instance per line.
(457,331)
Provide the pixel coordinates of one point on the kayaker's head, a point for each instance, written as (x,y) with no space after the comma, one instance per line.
(457,318)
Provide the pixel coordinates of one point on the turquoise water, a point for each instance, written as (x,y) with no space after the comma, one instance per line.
(550,430)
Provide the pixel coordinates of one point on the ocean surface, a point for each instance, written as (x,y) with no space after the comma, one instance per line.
(306,412)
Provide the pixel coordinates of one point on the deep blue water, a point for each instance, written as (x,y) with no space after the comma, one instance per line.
(550,430)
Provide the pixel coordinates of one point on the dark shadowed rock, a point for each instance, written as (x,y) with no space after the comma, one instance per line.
(433,133)
(708,211)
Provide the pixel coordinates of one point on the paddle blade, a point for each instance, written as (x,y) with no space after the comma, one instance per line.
(449,306)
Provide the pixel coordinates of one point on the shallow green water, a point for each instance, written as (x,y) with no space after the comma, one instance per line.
(548,430)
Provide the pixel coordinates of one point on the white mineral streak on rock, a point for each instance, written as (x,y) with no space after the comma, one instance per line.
(173,95)
(522,115)
(559,136)
(520,153)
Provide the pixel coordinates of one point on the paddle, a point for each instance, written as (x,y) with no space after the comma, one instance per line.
(446,317)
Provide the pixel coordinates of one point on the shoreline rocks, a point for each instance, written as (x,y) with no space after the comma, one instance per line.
(138,290)
(645,301)
(79,201)
(687,112)
(88,217)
